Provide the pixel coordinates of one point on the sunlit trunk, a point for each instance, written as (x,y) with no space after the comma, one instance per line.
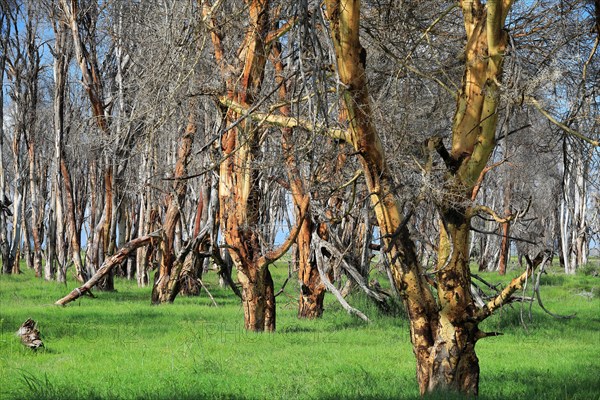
(166,285)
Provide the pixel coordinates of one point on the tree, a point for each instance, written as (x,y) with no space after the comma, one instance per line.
(238,184)
(443,333)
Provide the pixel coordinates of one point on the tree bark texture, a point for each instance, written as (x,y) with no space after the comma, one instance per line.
(454,364)
(239,194)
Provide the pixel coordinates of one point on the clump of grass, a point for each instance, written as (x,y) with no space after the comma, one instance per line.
(589,269)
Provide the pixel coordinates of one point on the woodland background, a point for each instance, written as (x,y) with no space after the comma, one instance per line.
(166,139)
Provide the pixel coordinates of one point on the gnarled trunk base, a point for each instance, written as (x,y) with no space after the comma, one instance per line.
(258,300)
(453,365)
(311,301)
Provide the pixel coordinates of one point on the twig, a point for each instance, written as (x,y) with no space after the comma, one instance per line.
(207,292)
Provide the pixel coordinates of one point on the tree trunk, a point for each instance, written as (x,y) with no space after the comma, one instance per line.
(504,249)
(4,202)
(75,239)
(344,18)
(258,298)
(443,342)
(454,364)
(164,279)
(312,290)
(82,23)
(239,192)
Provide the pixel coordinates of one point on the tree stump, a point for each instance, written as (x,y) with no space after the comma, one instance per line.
(30,335)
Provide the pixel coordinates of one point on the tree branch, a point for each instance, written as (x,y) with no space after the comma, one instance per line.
(331,288)
(501,220)
(285,246)
(562,126)
(517,283)
(282,30)
(111,262)
(285,122)
(482,177)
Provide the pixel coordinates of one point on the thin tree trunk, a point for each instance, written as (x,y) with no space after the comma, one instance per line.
(312,290)
(4,213)
(75,238)
(166,285)
(505,244)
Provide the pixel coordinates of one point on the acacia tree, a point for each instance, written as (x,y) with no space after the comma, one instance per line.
(443,332)
(238,184)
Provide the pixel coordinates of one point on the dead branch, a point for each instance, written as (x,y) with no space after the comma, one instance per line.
(207,292)
(501,220)
(223,265)
(570,131)
(30,335)
(536,290)
(109,264)
(356,276)
(330,287)
(285,122)
(504,297)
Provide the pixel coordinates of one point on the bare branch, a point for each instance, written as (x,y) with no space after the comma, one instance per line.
(286,122)
(285,246)
(109,264)
(517,283)
(562,126)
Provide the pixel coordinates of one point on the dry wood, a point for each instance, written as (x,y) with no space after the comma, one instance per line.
(330,287)
(30,335)
(109,264)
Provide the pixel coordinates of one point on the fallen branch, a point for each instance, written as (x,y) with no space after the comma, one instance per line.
(30,335)
(351,270)
(331,288)
(109,264)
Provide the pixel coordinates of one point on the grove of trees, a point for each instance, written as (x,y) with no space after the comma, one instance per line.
(156,140)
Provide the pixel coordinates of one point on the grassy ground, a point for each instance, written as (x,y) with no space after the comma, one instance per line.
(118,346)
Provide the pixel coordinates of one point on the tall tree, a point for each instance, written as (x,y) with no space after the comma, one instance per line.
(443,332)
(238,184)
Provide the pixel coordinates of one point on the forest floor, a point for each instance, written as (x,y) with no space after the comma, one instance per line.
(118,346)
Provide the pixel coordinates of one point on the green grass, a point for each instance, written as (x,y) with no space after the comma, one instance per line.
(118,346)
